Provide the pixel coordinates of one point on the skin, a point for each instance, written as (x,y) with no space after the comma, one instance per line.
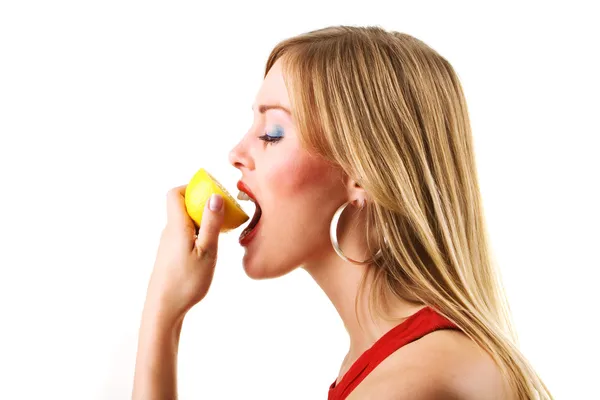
(294,186)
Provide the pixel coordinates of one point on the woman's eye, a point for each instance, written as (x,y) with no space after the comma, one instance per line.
(274,135)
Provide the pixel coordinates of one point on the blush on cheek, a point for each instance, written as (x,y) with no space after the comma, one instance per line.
(300,174)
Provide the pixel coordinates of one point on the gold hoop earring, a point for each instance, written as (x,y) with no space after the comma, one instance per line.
(334,240)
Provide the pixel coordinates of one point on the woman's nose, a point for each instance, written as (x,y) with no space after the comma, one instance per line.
(239,156)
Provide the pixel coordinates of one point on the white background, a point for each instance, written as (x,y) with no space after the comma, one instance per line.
(106,105)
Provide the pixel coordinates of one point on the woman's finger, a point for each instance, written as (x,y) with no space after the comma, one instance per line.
(210,227)
(176,212)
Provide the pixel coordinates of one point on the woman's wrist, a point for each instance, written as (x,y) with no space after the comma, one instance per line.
(159,315)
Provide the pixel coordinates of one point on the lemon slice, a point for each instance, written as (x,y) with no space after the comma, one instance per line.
(198,191)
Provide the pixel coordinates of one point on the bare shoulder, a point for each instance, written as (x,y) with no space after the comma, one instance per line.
(442,365)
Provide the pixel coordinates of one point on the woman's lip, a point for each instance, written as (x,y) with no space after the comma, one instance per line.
(248,238)
(242,187)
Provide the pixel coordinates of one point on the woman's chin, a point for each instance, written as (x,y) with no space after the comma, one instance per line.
(259,270)
(254,272)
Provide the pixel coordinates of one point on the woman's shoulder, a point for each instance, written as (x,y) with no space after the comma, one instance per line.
(444,364)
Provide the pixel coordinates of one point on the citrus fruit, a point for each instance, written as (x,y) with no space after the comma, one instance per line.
(198,192)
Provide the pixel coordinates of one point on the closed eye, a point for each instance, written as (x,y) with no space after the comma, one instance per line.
(274,135)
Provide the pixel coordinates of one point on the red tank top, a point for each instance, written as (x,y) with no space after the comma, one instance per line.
(424,321)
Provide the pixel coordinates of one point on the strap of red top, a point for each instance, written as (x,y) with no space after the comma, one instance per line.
(414,327)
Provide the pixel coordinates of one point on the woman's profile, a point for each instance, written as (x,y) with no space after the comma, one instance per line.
(361,143)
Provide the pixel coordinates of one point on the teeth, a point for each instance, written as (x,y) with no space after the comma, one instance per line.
(243,196)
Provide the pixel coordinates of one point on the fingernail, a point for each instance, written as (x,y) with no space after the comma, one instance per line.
(216,202)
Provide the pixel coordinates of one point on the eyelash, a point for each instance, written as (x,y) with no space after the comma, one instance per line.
(270,139)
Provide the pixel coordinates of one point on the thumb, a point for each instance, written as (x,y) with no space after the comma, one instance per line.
(210,227)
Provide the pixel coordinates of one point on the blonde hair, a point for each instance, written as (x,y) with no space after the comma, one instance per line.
(390,111)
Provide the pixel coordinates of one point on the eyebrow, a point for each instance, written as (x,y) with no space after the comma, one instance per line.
(265,107)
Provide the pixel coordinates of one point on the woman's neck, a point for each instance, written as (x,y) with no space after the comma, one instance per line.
(341,281)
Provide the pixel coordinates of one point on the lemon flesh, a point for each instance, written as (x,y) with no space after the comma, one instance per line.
(198,192)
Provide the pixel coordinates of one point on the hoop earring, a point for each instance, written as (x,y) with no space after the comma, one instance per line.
(334,241)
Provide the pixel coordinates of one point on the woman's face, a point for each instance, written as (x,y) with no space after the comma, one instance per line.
(297,192)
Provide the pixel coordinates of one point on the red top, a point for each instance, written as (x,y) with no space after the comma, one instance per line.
(424,321)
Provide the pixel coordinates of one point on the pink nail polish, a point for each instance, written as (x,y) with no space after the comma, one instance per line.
(216,202)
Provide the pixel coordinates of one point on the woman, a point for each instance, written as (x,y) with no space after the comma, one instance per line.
(361,143)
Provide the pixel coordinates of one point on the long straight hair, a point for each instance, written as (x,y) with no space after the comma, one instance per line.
(390,111)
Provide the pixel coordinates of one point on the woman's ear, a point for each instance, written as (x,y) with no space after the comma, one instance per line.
(356,193)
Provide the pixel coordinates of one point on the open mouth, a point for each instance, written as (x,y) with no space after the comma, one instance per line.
(257,214)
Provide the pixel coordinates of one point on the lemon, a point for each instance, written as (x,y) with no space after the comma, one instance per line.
(198,192)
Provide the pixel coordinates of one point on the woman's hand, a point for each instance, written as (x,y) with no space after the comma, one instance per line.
(185,264)
(182,274)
